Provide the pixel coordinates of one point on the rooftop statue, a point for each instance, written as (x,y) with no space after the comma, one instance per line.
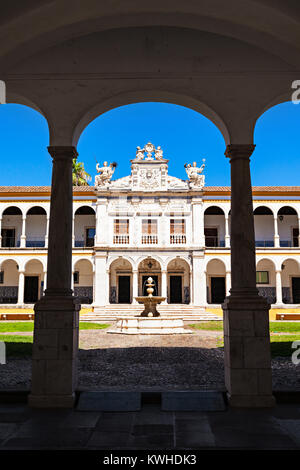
(149,149)
(196,179)
(106,172)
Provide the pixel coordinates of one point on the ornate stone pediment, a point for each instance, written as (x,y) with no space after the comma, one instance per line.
(149,172)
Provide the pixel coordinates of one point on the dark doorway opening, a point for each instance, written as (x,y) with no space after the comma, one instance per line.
(31,291)
(296,290)
(144,282)
(124,290)
(175,289)
(217,290)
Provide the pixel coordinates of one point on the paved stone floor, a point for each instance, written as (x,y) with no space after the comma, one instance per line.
(24,428)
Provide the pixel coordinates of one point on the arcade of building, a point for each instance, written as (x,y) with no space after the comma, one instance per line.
(149,223)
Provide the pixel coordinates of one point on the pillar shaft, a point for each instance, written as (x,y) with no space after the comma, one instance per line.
(134,285)
(248,376)
(164,285)
(23,233)
(276,234)
(60,226)
(227,236)
(21,288)
(278,288)
(0,232)
(56,322)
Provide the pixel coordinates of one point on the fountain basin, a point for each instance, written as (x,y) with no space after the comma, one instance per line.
(138,325)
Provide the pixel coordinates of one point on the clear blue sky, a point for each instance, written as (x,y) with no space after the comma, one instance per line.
(183,134)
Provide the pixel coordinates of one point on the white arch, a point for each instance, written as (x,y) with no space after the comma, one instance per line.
(169,260)
(76,260)
(269,260)
(36,258)
(115,258)
(45,207)
(79,205)
(17,205)
(219,206)
(162,96)
(256,205)
(221,260)
(10,258)
(283,260)
(292,206)
(152,256)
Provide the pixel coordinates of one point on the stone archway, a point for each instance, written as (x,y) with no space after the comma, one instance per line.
(178,282)
(120,282)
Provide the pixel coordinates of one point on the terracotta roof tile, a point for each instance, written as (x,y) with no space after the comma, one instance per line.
(46,189)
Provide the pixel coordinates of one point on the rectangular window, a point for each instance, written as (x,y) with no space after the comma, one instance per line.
(121,226)
(76,277)
(1,277)
(89,236)
(149,227)
(177,227)
(262,277)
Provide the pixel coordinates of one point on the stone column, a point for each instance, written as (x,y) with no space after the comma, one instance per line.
(227,236)
(56,323)
(278,288)
(101,283)
(134,285)
(228,282)
(191,288)
(276,234)
(246,314)
(23,233)
(164,293)
(199,280)
(299,231)
(21,288)
(94,286)
(47,232)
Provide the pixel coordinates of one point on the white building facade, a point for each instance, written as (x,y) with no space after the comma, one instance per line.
(149,223)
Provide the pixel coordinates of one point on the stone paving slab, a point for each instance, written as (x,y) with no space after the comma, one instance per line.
(151,428)
(193,401)
(109,401)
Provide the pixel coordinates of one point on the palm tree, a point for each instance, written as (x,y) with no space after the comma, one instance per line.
(79,175)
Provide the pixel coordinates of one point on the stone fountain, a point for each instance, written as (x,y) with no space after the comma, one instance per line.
(150,322)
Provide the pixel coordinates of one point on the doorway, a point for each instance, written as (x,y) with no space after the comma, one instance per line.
(296,290)
(217,290)
(124,290)
(175,289)
(31,290)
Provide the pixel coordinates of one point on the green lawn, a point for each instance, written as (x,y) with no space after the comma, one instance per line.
(275,327)
(27,326)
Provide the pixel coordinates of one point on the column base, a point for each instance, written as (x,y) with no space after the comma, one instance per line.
(249,401)
(248,375)
(51,401)
(55,349)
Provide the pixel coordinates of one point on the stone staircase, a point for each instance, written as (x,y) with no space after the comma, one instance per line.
(111,312)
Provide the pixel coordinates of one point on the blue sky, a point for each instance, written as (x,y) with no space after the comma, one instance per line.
(183,134)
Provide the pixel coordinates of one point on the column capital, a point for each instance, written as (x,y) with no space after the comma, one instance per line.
(62,152)
(239,151)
